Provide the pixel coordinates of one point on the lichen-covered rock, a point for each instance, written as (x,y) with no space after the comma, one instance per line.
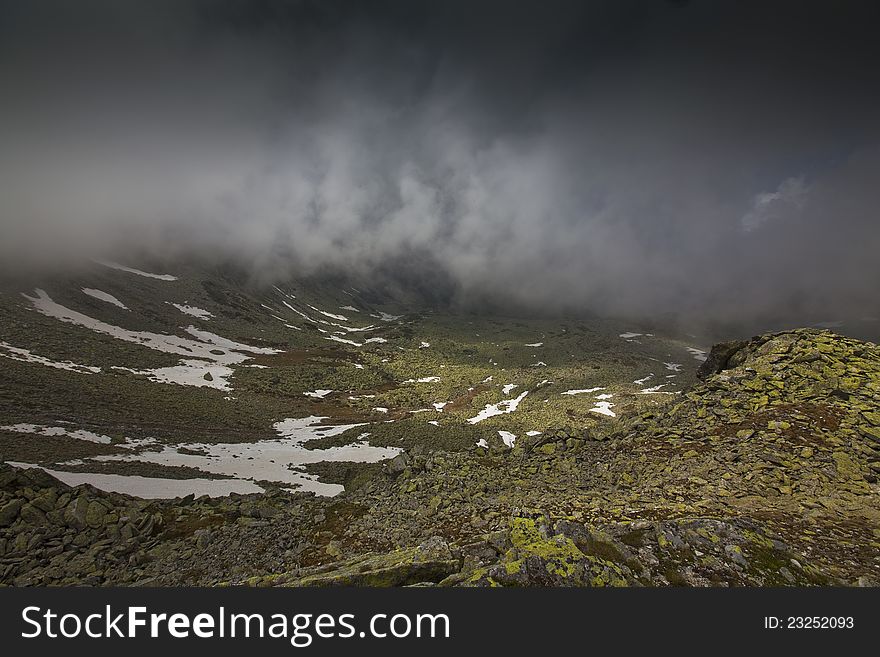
(9,512)
(430,561)
(539,558)
(76,512)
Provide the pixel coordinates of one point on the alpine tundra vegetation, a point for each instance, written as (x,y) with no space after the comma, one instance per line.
(460,463)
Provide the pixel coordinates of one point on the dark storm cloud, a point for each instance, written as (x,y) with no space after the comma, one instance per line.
(706,159)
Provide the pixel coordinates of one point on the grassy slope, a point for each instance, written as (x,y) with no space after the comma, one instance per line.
(464,351)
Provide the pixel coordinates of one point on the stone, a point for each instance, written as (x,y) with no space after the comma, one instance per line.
(398,464)
(75,513)
(718,358)
(871,433)
(9,512)
(46,501)
(95,513)
(32,515)
(203,538)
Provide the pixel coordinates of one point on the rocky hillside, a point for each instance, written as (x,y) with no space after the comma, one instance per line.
(179,379)
(763,473)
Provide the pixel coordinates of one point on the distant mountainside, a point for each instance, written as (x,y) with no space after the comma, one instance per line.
(166,381)
(764,472)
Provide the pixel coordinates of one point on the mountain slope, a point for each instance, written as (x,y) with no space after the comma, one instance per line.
(764,473)
(188,375)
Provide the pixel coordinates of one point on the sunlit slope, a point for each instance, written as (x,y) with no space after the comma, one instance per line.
(165,361)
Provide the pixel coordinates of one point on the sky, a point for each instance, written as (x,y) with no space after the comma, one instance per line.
(693,158)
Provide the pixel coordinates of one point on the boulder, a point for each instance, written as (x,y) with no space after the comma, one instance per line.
(398,464)
(32,515)
(95,513)
(719,357)
(75,513)
(9,512)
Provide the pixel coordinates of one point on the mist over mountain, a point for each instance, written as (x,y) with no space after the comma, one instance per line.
(440,294)
(711,161)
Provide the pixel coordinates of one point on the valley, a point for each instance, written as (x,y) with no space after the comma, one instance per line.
(277,379)
(186,426)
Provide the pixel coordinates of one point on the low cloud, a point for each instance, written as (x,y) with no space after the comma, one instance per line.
(789,197)
(609,158)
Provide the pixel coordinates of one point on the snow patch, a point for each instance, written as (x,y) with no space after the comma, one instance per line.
(317,394)
(206,345)
(582,391)
(508,438)
(655,390)
(341,318)
(298,312)
(25,356)
(336,338)
(193,311)
(272,460)
(425,379)
(501,408)
(151,487)
(385,317)
(41,430)
(189,372)
(104,296)
(698,354)
(603,408)
(132,270)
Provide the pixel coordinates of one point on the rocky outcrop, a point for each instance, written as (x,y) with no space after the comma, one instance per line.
(534,551)
(687,552)
(55,534)
(52,534)
(718,358)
